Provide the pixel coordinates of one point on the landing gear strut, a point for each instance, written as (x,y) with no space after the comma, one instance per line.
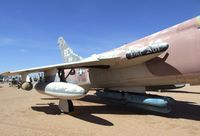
(66,106)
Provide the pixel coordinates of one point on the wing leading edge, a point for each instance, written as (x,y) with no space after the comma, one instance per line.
(86,63)
(105,60)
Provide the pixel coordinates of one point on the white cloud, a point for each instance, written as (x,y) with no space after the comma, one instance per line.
(6,41)
(22,50)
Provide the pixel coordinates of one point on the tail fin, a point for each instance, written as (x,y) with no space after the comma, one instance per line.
(67,53)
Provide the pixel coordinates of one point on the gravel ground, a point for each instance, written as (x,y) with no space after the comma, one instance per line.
(26,113)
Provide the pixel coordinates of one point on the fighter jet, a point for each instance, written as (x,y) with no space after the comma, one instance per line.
(164,59)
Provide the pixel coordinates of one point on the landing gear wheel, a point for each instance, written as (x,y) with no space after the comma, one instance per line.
(66,106)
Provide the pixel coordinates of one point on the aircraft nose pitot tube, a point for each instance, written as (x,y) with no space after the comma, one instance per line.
(61,90)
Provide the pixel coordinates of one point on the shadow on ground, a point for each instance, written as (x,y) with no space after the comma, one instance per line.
(176,91)
(50,98)
(181,109)
(179,91)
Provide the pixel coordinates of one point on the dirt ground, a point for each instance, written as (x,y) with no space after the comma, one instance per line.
(25,113)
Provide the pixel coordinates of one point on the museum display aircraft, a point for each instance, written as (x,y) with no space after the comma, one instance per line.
(166,59)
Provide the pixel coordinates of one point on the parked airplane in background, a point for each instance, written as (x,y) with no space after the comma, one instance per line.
(162,60)
(1,78)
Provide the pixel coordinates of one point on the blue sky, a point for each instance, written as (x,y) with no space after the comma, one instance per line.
(29,28)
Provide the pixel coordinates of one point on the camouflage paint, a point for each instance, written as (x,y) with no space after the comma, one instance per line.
(178,64)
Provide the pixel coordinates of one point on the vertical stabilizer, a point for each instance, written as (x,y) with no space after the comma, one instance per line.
(67,53)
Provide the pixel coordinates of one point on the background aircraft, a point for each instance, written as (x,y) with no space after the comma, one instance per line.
(164,59)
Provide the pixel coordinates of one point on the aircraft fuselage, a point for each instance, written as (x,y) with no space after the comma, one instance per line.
(178,64)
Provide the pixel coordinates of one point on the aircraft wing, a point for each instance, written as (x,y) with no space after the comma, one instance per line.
(112,59)
(90,62)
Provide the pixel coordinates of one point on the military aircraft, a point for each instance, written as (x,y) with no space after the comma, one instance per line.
(162,60)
